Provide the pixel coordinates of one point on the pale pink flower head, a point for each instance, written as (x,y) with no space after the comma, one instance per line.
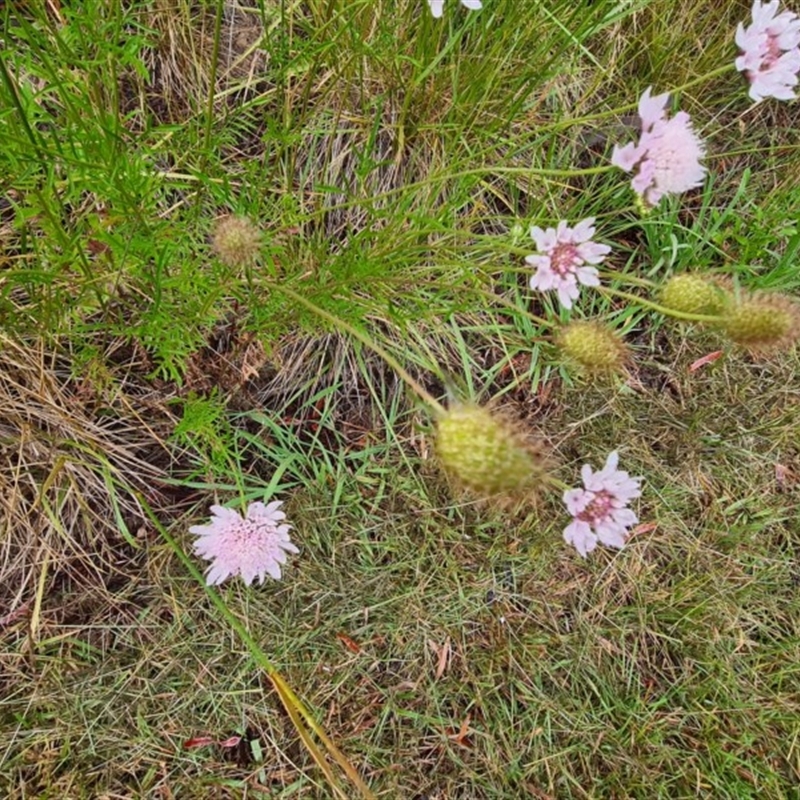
(563,255)
(437,6)
(253,546)
(667,157)
(770,51)
(600,510)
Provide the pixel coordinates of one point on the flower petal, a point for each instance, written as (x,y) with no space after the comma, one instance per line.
(580,536)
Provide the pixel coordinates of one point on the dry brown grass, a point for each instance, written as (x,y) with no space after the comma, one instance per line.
(180,63)
(75,456)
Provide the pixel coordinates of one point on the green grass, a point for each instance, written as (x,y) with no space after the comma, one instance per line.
(451,648)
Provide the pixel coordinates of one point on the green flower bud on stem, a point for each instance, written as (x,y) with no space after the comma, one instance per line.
(762,322)
(487,454)
(593,347)
(693,294)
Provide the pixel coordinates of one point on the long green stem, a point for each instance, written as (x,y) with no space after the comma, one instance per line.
(212,83)
(619,110)
(294,706)
(707,77)
(669,312)
(367,340)
(556,483)
(630,279)
(259,656)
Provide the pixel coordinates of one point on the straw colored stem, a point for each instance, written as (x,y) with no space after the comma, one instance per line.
(367,340)
(293,705)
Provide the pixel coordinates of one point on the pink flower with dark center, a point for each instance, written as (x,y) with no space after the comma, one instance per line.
(253,546)
(437,6)
(771,52)
(667,156)
(600,510)
(563,254)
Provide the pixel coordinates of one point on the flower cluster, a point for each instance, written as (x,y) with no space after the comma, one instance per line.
(437,6)
(600,510)
(237,241)
(563,255)
(770,52)
(252,547)
(667,156)
(485,452)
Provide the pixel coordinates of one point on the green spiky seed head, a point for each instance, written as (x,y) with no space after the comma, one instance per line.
(762,322)
(593,347)
(237,241)
(692,294)
(486,453)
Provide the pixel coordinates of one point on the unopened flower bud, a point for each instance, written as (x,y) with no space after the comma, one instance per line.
(486,453)
(692,294)
(761,322)
(237,241)
(593,347)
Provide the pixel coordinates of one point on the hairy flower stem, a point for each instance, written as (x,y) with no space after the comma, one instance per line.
(557,484)
(632,280)
(424,395)
(668,312)
(294,706)
(715,73)
(628,107)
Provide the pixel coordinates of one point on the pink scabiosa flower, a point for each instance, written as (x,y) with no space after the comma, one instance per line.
(600,510)
(771,51)
(667,157)
(251,547)
(563,254)
(437,6)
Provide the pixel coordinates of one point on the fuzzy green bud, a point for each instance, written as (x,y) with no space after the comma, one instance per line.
(237,241)
(762,322)
(692,294)
(593,347)
(486,453)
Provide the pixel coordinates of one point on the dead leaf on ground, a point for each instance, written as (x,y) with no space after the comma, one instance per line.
(462,737)
(443,656)
(785,477)
(352,645)
(204,741)
(710,358)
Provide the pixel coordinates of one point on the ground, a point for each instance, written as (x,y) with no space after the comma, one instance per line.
(391,166)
